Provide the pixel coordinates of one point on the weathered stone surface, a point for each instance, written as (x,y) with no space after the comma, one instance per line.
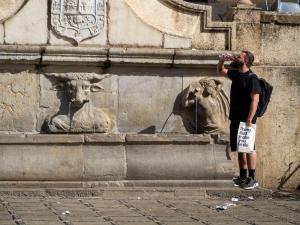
(141,55)
(167,139)
(18,102)
(12,54)
(104,162)
(29,26)
(125,28)
(143,98)
(210,41)
(280,18)
(246,14)
(279,46)
(63,55)
(249,37)
(41,162)
(1,34)
(105,138)
(40,139)
(176,42)
(9,7)
(163,17)
(278,131)
(173,162)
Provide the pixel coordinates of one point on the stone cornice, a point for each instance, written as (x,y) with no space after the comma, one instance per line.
(280,18)
(56,55)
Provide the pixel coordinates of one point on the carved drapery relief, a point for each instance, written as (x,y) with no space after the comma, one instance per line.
(206,107)
(78,19)
(9,8)
(81,116)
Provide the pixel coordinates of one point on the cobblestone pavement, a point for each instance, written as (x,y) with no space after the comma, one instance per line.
(97,211)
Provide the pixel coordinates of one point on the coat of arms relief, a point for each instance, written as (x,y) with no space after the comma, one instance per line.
(78,19)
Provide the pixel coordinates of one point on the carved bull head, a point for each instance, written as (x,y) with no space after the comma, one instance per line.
(79,86)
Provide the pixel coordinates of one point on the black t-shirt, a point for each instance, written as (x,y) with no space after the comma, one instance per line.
(243,84)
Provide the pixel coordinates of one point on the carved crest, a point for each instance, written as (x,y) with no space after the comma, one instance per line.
(78,19)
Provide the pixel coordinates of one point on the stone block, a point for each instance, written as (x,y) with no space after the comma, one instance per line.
(171,17)
(178,162)
(104,138)
(167,139)
(210,41)
(104,162)
(9,7)
(41,162)
(29,26)
(125,28)
(279,46)
(146,103)
(18,102)
(176,42)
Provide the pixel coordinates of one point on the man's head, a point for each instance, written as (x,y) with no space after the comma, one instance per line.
(245,58)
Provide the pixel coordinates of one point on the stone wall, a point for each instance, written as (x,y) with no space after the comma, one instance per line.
(153,50)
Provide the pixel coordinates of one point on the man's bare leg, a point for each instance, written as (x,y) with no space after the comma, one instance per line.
(242,158)
(251,162)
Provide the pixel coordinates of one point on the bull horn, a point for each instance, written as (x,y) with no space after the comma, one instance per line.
(59,76)
(97,78)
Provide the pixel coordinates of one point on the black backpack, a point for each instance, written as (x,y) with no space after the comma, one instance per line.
(264,96)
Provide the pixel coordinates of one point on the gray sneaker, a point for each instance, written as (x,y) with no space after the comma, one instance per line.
(249,184)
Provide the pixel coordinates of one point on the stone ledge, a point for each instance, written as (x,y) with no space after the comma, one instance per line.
(104,138)
(140,193)
(41,139)
(280,18)
(166,139)
(61,55)
(141,55)
(20,54)
(139,139)
(74,55)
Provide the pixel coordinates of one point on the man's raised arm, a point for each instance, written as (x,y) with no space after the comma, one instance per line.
(222,71)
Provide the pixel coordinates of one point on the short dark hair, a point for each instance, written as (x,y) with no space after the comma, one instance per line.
(250,58)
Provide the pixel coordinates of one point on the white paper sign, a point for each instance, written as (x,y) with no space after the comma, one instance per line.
(246,138)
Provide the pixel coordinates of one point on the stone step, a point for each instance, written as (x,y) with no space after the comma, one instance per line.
(183,190)
(118,183)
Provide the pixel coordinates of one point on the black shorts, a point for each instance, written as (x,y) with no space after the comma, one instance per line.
(234,127)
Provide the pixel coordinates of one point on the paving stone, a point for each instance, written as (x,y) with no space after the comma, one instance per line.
(5,216)
(7,222)
(131,219)
(182,223)
(40,222)
(136,223)
(118,213)
(86,219)
(177,218)
(91,223)
(39,218)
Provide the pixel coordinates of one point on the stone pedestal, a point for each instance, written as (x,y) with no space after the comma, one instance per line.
(109,157)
